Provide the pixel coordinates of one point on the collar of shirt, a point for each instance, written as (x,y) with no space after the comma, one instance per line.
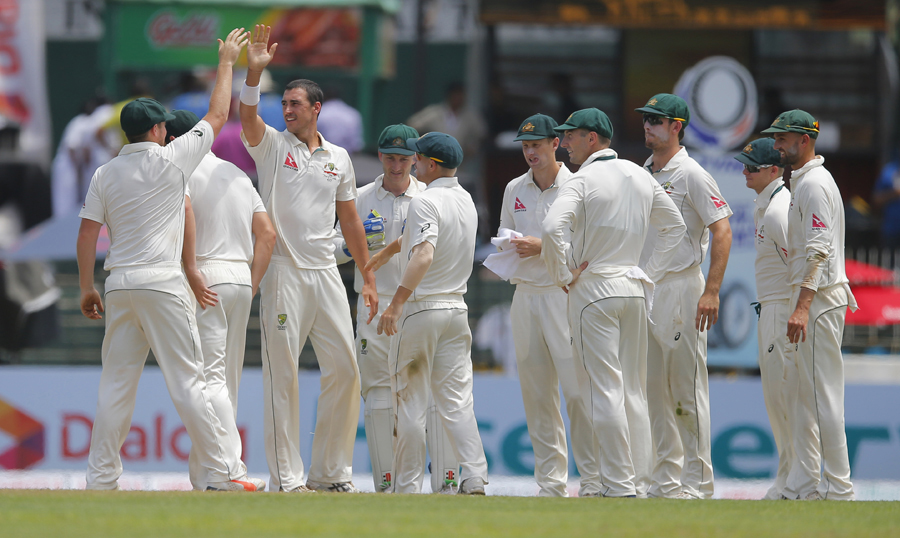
(763,199)
(323,144)
(380,192)
(561,175)
(605,154)
(443,182)
(673,163)
(138,146)
(818,160)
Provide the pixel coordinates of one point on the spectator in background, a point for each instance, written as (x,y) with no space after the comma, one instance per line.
(561,98)
(340,123)
(68,182)
(886,198)
(228,145)
(194,96)
(109,134)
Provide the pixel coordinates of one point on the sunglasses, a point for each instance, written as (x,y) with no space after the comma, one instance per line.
(755,169)
(652,119)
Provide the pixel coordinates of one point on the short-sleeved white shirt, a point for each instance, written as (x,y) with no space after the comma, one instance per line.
(444,215)
(373,197)
(771,220)
(697,196)
(299,190)
(524,207)
(139,195)
(224,201)
(816,225)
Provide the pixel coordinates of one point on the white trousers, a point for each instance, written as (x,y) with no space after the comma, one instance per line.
(544,358)
(820,441)
(223,335)
(678,389)
(139,319)
(779,383)
(296,303)
(608,318)
(433,349)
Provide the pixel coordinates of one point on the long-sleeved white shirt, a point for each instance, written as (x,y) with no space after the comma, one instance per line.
(771,220)
(610,205)
(524,207)
(815,226)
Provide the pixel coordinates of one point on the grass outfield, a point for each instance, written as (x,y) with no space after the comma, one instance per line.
(172,514)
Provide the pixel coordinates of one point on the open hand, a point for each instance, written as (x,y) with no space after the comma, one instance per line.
(575,274)
(258,52)
(205,296)
(230,49)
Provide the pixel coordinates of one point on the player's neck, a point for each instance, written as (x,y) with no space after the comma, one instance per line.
(545,176)
(395,187)
(309,136)
(662,156)
(804,159)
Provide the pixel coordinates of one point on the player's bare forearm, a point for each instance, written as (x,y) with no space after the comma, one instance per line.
(259,54)
(708,306)
(420,260)
(382,256)
(355,237)
(86,254)
(204,295)
(220,99)
(263,245)
(797,323)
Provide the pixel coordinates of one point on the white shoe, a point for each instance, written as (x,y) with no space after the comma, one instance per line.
(337,487)
(686,496)
(299,489)
(814,496)
(247,484)
(472,486)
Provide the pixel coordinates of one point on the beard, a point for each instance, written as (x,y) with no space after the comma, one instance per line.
(790,155)
(655,142)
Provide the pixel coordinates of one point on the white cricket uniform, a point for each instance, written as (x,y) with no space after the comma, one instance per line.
(773,292)
(816,230)
(677,379)
(544,357)
(433,346)
(610,206)
(139,195)
(302,295)
(224,201)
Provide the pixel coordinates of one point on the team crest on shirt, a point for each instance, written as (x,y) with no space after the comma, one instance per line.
(667,186)
(718,202)
(363,344)
(289,162)
(329,171)
(817,224)
(282,319)
(519,206)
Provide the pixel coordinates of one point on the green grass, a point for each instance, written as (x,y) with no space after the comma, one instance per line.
(136,514)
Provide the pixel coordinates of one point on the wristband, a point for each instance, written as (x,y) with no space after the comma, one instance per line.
(250,94)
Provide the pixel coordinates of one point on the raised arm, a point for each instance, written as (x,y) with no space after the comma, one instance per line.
(258,57)
(220,100)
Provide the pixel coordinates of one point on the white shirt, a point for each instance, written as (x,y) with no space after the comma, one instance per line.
(299,190)
(444,215)
(394,210)
(524,207)
(816,225)
(139,195)
(771,220)
(224,201)
(610,205)
(697,197)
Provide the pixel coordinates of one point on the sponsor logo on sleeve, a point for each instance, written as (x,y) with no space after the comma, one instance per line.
(817,224)
(425,228)
(718,202)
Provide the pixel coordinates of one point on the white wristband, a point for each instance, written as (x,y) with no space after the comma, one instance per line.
(250,94)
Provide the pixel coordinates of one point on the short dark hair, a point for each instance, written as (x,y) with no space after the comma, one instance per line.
(142,137)
(314,93)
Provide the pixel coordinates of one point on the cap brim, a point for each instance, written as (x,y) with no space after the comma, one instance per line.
(742,158)
(648,110)
(412,143)
(397,151)
(170,117)
(771,130)
(531,137)
(565,127)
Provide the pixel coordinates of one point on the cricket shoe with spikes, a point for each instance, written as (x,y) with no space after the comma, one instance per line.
(338,487)
(247,484)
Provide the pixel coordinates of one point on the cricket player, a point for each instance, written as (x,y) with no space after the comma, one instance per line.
(433,343)
(820,295)
(383,206)
(610,206)
(141,196)
(234,242)
(686,306)
(762,169)
(303,181)
(540,323)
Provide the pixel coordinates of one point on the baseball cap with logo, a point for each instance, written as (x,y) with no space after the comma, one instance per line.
(184,121)
(140,115)
(537,127)
(393,139)
(440,147)
(760,152)
(591,119)
(795,121)
(668,106)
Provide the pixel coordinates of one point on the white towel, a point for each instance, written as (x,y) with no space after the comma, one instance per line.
(504,263)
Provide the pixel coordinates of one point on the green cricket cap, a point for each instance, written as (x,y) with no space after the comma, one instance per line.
(760,152)
(184,121)
(537,127)
(393,139)
(591,119)
(441,147)
(668,106)
(140,115)
(795,121)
